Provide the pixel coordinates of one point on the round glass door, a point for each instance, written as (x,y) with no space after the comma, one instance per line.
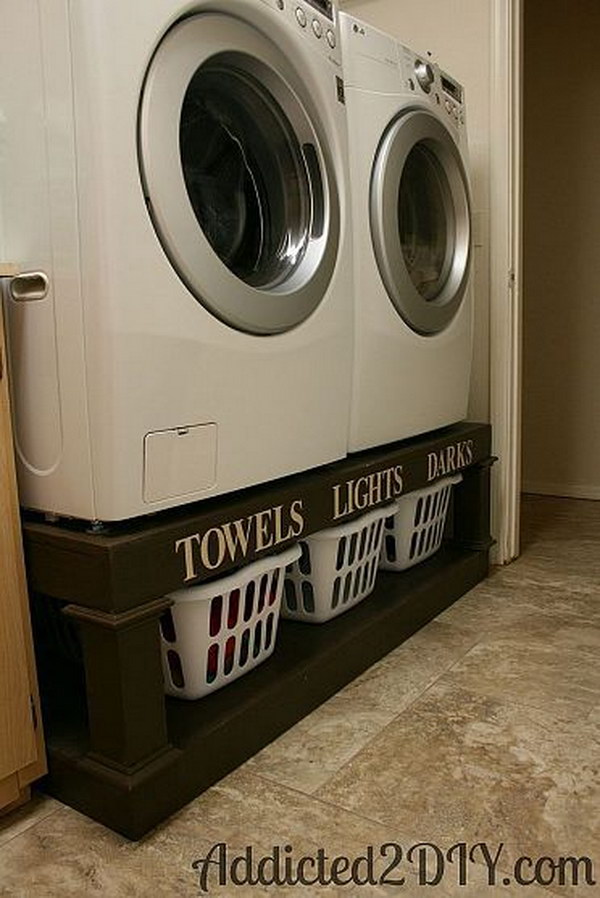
(245,175)
(426,221)
(420,221)
(236,175)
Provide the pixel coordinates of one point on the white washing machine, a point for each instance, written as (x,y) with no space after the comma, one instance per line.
(173,182)
(412,240)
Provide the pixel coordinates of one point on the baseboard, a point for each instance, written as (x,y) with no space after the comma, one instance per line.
(11,795)
(566,490)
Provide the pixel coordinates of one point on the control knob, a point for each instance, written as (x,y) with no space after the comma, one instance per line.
(424,74)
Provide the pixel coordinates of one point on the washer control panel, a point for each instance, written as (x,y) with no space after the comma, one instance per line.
(323,6)
(318,19)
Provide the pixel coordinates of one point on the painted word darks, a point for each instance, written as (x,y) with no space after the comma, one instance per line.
(450,459)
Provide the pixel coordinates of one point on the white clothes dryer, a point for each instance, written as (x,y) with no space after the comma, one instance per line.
(412,240)
(174,187)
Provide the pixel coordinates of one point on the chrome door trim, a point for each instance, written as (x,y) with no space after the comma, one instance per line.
(418,126)
(188,45)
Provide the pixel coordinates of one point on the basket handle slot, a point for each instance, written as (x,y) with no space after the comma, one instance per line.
(175,669)
(340,554)
(212,663)
(233,610)
(229,655)
(262,592)
(290,594)
(216,614)
(167,626)
(269,630)
(274,590)
(308,597)
(257,639)
(249,600)
(244,647)
(335,597)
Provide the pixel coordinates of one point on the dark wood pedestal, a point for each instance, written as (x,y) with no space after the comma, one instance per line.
(123,753)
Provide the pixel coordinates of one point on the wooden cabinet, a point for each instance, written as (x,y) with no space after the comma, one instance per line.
(21,743)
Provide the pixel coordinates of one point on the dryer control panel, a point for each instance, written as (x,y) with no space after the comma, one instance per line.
(428,82)
(453,97)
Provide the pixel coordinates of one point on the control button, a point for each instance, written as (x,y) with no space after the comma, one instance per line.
(448,106)
(317,28)
(280,4)
(301,17)
(331,38)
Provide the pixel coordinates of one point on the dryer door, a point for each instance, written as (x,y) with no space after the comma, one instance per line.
(237,174)
(420,220)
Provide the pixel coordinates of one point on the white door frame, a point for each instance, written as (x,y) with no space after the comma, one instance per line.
(506,273)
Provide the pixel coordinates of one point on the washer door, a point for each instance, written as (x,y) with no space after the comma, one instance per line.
(236,174)
(420,220)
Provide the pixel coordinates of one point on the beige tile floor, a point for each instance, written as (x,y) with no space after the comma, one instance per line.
(482,728)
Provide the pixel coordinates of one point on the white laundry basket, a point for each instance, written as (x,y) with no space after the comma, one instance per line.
(220,630)
(336,570)
(415,531)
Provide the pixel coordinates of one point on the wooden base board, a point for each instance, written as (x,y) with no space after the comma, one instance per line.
(12,796)
(212,736)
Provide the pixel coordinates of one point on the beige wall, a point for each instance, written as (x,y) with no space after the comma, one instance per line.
(561,353)
(458,34)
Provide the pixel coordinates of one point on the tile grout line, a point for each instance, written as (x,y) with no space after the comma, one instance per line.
(362,817)
(408,707)
(27,828)
(436,679)
(322,801)
(376,735)
(525,706)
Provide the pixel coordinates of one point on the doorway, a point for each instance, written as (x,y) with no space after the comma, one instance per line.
(561,260)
